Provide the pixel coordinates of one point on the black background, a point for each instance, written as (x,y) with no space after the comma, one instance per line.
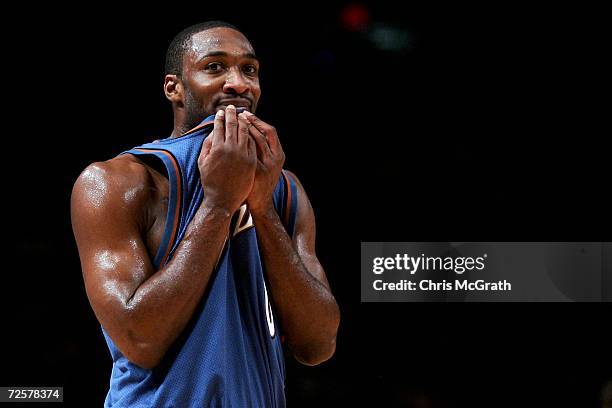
(491,126)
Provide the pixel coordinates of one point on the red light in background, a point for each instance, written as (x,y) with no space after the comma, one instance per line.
(355,17)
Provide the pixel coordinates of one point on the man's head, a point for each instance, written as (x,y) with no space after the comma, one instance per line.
(209,66)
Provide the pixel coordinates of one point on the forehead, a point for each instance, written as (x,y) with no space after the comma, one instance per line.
(217,39)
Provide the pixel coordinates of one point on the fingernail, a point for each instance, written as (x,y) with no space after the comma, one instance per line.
(231,107)
(220,113)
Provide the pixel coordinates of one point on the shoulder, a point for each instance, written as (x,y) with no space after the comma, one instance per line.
(297,181)
(302,198)
(122,181)
(305,213)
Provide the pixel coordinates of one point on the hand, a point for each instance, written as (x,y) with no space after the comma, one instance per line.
(227,162)
(270,160)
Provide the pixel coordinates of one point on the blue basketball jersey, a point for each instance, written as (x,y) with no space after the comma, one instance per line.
(230,354)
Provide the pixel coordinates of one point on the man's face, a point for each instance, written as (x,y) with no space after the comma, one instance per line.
(219,69)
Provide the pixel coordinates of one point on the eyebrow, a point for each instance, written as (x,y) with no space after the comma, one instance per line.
(225,54)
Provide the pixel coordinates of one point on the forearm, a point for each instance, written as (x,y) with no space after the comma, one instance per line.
(162,305)
(308,312)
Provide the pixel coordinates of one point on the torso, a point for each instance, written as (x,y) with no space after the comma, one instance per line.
(236,292)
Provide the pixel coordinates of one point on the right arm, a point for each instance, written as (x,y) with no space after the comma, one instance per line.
(141,309)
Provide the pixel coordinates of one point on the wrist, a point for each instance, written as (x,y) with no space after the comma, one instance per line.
(263,209)
(264,213)
(218,209)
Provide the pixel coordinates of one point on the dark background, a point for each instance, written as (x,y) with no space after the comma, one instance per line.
(482,124)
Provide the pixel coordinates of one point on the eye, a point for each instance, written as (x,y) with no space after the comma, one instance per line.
(214,67)
(250,69)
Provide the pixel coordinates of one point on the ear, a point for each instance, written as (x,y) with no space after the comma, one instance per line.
(173,88)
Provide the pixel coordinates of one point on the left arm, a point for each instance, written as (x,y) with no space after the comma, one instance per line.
(308,312)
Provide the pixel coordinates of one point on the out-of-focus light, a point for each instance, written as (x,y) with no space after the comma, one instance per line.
(355,17)
(324,59)
(388,37)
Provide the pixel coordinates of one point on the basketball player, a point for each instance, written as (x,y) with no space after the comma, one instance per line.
(198,250)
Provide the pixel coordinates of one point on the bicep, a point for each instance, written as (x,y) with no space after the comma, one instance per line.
(304,238)
(113,256)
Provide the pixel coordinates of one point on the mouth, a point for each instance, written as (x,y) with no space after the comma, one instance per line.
(237,102)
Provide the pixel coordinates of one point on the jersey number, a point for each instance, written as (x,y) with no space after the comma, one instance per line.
(244,220)
(269,314)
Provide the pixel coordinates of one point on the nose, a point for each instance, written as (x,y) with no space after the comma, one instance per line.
(235,82)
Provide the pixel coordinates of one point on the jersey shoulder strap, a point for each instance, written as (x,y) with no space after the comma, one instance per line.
(288,211)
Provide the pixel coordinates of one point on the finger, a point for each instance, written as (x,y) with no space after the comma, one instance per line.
(262,144)
(231,125)
(251,145)
(206,146)
(267,130)
(218,135)
(243,129)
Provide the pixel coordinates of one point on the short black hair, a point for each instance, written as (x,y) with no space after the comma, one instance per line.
(182,41)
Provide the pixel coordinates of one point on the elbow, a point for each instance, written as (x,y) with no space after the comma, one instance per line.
(317,351)
(140,340)
(143,362)
(143,355)
(315,355)
(146,353)
(143,344)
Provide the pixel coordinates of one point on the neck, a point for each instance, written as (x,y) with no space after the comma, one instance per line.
(178,131)
(183,123)
(179,127)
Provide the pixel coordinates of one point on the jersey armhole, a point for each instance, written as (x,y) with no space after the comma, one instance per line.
(174,203)
(290,204)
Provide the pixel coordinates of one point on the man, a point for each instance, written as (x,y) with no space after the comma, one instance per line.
(198,251)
